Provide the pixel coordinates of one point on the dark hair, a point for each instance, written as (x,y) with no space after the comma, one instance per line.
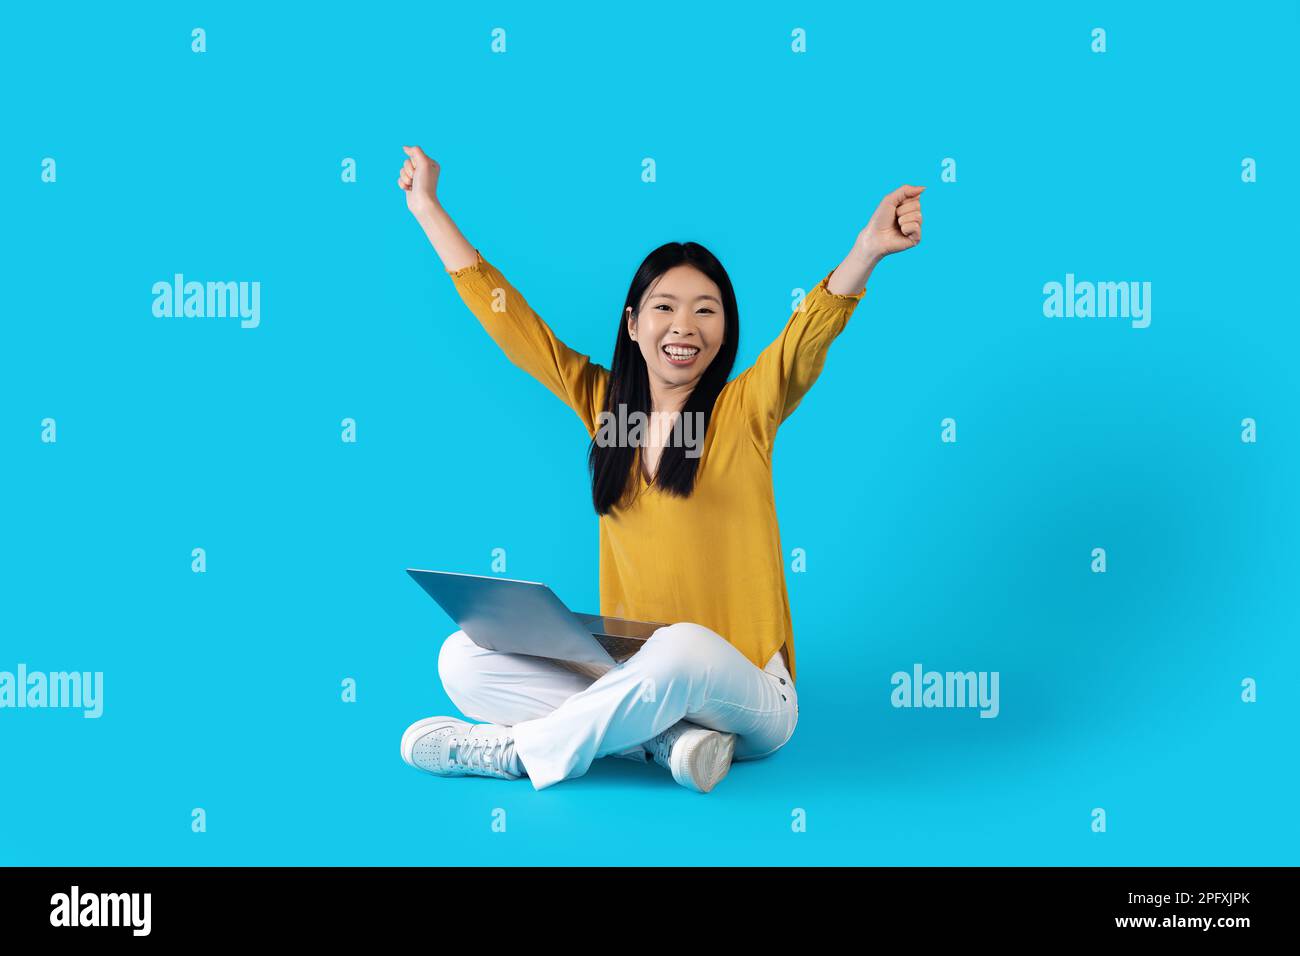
(629,382)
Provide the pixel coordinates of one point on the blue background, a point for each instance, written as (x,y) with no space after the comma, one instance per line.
(222,690)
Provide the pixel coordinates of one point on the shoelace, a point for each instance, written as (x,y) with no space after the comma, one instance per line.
(664,745)
(480,753)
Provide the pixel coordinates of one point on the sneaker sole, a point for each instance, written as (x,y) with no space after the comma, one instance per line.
(705,762)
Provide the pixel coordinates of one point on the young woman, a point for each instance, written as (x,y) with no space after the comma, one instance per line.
(688,530)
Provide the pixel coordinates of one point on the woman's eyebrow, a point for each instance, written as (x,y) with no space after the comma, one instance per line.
(669,295)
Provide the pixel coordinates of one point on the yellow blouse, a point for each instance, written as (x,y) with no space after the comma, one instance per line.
(715,557)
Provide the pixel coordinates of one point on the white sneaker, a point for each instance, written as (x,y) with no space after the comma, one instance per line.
(696,756)
(453,748)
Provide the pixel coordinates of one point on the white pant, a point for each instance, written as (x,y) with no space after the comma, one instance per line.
(564,719)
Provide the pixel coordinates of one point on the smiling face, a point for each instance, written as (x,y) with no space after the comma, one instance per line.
(679,327)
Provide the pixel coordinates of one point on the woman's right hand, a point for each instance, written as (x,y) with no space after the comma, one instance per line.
(419,177)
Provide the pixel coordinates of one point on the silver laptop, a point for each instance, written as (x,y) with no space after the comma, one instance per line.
(525,617)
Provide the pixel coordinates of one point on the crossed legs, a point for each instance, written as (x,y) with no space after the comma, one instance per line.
(563,719)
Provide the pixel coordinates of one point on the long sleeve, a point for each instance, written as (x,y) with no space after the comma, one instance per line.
(784,371)
(528,342)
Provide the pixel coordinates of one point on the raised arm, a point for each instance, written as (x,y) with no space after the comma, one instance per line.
(786,369)
(526,340)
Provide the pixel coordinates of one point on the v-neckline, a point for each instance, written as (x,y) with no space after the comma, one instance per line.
(645,482)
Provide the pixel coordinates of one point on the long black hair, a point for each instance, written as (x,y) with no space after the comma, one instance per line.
(629,382)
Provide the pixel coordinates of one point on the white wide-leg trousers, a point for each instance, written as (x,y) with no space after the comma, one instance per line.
(564,716)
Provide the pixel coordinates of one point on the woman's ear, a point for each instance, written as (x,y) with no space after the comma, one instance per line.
(631,323)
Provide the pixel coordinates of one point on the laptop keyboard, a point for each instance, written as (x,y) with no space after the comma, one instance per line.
(619,647)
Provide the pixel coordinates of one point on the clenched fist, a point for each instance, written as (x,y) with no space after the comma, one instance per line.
(894,226)
(419,177)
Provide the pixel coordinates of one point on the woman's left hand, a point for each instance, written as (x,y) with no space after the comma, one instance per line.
(894,226)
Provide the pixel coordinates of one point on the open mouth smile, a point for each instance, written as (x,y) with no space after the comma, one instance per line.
(681,355)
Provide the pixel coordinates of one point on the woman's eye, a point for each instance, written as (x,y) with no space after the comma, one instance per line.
(663,305)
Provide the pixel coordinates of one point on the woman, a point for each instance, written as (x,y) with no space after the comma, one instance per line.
(688,531)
